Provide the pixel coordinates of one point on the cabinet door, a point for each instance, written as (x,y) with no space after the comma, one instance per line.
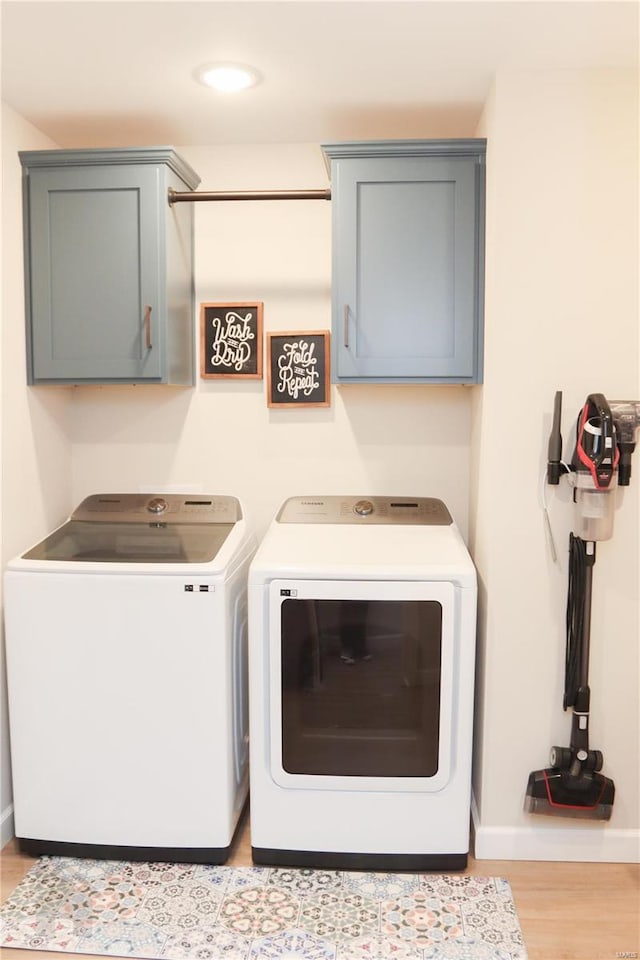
(406,268)
(94,262)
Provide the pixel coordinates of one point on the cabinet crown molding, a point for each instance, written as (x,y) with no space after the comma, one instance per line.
(470,147)
(112,156)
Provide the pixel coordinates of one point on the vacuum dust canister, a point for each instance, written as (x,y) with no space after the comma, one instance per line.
(594,509)
(596,463)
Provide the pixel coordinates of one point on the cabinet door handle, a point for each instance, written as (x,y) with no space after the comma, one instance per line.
(346,325)
(147,326)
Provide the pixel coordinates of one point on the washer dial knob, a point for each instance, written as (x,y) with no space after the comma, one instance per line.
(363,508)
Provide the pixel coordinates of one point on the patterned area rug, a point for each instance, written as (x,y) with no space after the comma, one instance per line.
(159,910)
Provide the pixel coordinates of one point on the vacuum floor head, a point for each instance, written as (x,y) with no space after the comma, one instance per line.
(554,792)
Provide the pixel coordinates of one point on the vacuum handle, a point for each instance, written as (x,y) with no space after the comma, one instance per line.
(599,456)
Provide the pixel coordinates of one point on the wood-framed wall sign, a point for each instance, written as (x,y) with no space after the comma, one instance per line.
(231,341)
(298,369)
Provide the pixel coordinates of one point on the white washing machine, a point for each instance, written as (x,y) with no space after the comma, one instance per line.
(126,635)
(362,625)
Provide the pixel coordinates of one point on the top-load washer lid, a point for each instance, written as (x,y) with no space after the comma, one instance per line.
(421,511)
(142,528)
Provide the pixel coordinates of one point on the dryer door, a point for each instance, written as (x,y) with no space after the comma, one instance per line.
(361,676)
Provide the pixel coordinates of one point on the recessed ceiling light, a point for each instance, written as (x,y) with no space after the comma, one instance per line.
(227,77)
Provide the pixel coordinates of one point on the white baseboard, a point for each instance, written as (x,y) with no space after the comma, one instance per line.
(549,839)
(7,829)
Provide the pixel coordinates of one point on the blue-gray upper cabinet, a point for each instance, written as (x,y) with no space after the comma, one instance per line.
(408,260)
(108,266)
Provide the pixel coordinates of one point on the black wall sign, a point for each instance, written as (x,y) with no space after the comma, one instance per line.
(298,369)
(231,340)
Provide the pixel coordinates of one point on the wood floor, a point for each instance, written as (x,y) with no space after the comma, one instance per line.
(567,911)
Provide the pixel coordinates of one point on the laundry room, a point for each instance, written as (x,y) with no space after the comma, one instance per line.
(560,312)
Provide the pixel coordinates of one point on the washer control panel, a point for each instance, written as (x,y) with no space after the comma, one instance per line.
(425,511)
(158,508)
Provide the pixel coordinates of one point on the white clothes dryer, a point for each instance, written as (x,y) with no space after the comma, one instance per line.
(362,625)
(126,635)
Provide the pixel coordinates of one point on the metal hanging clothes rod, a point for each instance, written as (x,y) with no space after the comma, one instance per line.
(188,196)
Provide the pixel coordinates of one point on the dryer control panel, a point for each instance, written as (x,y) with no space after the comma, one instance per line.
(425,511)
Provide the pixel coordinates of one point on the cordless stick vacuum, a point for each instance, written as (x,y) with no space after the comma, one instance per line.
(573,785)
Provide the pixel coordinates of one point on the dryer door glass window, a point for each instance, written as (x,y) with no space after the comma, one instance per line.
(361,687)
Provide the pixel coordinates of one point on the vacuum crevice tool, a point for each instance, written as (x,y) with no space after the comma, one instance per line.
(554,449)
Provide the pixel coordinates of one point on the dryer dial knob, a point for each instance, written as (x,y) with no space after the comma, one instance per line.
(363,508)
(157,505)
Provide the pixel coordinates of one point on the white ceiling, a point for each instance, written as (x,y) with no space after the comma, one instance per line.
(93,73)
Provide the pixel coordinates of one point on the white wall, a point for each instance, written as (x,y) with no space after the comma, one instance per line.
(561,314)
(221,437)
(562,309)
(36,448)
